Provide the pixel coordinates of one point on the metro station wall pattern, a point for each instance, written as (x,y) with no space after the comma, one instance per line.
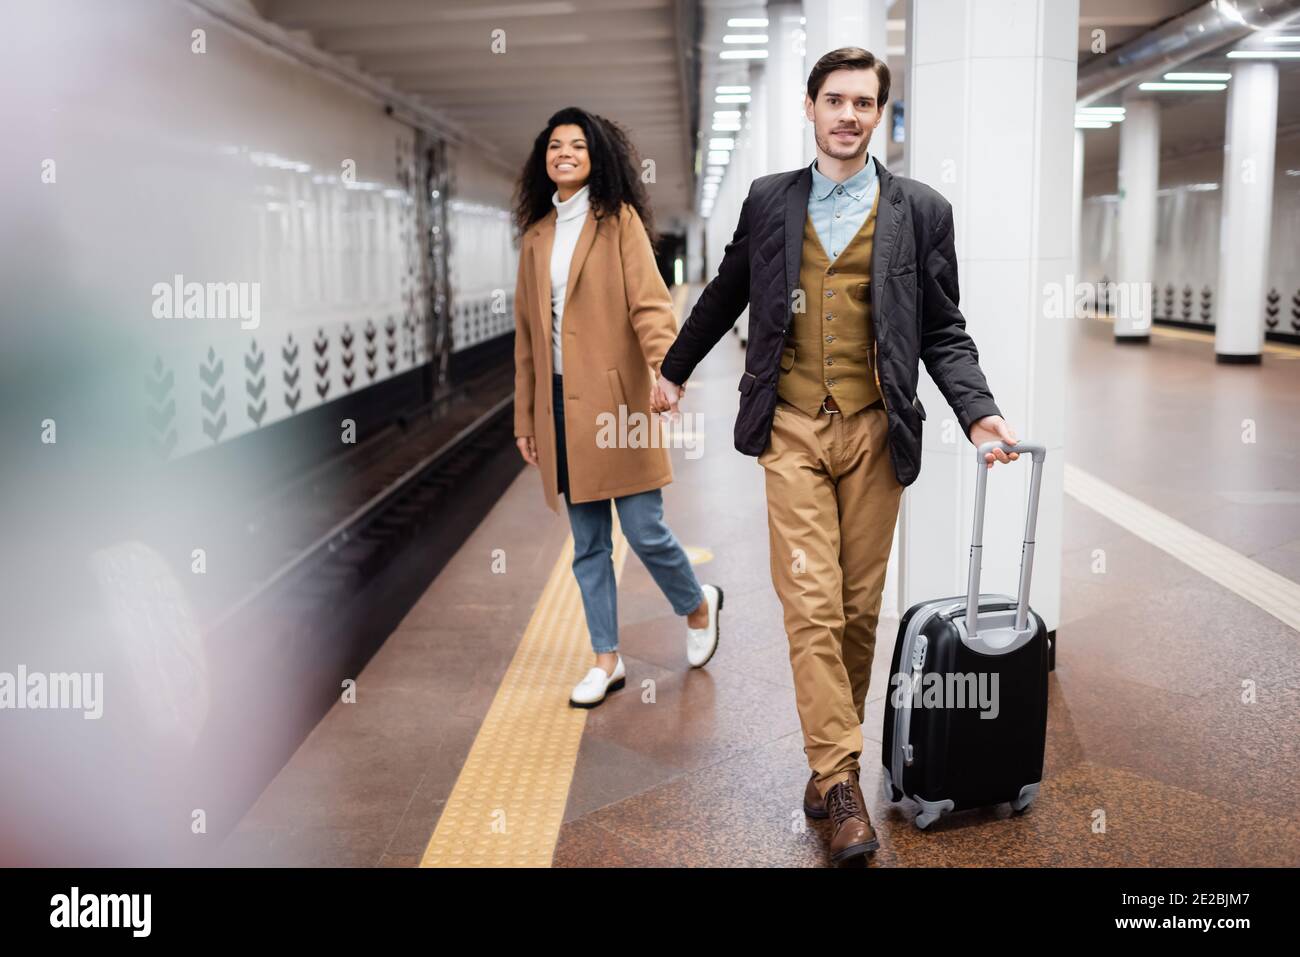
(1187,241)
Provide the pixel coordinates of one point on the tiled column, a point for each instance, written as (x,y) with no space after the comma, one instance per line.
(694,249)
(990,117)
(783,86)
(1076,220)
(1139,175)
(1248,156)
(752,137)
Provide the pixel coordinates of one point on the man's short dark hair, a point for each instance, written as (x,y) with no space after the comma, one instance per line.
(848,58)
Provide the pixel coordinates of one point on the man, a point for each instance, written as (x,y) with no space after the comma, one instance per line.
(850,276)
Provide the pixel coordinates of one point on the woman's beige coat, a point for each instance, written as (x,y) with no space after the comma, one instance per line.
(618,325)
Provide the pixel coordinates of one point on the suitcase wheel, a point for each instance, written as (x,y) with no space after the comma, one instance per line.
(1020,805)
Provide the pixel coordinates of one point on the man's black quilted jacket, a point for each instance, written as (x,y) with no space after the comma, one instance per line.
(913,297)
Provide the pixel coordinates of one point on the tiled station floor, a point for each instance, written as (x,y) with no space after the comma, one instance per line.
(1153,757)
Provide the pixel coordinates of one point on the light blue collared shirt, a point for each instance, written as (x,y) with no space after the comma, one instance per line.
(838,210)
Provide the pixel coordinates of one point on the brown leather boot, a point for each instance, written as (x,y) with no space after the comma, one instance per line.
(853,834)
(814,805)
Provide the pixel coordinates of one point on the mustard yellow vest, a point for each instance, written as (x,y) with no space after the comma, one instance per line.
(831,346)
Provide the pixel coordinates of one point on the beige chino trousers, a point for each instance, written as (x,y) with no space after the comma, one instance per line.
(832,503)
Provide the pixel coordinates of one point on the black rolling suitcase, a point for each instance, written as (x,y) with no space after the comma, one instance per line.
(966,710)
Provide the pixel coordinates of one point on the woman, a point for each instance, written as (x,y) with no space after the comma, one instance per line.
(593,320)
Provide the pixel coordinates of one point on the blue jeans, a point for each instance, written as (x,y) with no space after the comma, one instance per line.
(642,519)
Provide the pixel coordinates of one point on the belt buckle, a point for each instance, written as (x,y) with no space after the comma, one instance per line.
(830,411)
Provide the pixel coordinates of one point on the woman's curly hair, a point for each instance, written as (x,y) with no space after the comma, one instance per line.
(615,172)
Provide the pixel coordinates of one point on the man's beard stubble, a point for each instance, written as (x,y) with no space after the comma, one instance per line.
(825,144)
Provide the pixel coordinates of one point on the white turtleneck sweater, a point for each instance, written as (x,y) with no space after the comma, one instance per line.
(570,216)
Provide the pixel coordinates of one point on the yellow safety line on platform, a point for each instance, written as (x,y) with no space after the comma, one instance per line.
(1279,349)
(507,805)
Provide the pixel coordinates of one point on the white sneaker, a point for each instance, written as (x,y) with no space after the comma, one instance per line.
(701,643)
(591,690)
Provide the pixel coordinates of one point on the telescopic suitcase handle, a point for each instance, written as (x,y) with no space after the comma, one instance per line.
(1039,453)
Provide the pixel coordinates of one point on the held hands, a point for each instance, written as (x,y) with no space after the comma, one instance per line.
(527,448)
(994,428)
(665,395)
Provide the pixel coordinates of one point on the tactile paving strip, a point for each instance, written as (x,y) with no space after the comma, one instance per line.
(508,803)
(1261,586)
